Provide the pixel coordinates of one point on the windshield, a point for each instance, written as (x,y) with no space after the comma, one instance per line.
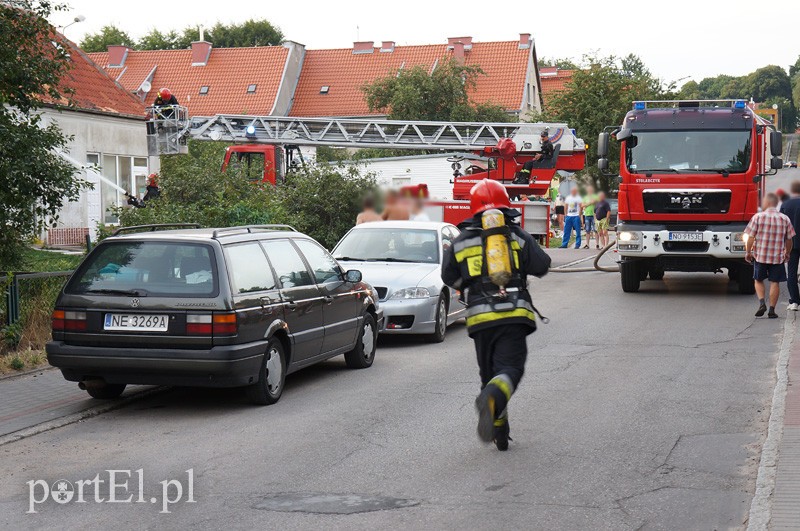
(687,151)
(392,245)
(141,269)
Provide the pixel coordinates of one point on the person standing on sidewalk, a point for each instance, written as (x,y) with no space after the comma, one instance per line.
(589,202)
(573,205)
(602,213)
(791,208)
(768,247)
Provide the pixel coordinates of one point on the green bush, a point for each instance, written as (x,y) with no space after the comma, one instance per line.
(16,363)
(321,200)
(11,335)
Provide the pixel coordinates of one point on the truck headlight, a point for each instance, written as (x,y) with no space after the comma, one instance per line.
(629,241)
(739,241)
(411,293)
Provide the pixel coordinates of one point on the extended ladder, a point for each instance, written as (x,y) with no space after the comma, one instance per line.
(376,133)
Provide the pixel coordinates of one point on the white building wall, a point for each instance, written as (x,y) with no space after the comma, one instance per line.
(433,170)
(100,134)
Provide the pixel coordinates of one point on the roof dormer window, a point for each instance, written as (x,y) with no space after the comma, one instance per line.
(204,90)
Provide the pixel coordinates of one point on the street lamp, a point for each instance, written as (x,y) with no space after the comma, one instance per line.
(780,116)
(79,18)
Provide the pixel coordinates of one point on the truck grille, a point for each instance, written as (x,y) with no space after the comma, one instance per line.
(381,292)
(687,202)
(686,247)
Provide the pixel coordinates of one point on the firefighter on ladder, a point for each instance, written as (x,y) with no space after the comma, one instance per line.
(490,261)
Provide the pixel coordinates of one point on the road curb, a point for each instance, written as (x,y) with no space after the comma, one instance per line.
(761,507)
(13,375)
(77,417)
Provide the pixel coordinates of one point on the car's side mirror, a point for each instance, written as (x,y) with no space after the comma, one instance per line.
(602,164)
(776,163)
(353,276)
(775,144)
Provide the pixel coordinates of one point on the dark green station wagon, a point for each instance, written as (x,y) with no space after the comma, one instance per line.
(239,306)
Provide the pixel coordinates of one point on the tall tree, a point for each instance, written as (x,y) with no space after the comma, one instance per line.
(107,36)
(599,95)
(36,181)
(156,40)
(415,94)
(563,63)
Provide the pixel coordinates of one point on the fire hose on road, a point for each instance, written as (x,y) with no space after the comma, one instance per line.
(595,264)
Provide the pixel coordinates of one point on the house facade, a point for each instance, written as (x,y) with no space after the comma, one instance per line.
(108,146)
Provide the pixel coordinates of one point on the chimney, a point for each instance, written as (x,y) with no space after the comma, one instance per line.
(387,46)
(524,41)
(466,41)
(458,52)
(363,47)
(117,55)
(201,52)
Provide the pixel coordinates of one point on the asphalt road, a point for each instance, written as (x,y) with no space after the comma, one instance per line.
(638,411)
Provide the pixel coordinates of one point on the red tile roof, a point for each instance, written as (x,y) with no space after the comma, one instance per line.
(228,74)
(554,81)
(504,63)
(93,90)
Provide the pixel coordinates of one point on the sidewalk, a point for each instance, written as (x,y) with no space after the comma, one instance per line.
(44,396)
(786,499)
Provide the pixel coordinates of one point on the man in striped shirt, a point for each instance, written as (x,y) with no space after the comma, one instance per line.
(768,247)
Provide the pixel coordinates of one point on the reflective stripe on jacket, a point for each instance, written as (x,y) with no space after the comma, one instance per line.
(463,269)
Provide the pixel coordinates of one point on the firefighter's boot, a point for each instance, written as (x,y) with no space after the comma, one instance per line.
(490,404)
(502,430)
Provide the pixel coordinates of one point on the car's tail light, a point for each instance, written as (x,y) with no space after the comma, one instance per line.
(69,321)
(217,324)
(198,325)
(224,324)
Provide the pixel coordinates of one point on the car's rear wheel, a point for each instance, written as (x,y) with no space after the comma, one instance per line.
(269,387)
(363,354)
(441,321)
(105,391)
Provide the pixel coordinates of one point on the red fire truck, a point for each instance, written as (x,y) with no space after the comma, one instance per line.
(692,174)
(273,148)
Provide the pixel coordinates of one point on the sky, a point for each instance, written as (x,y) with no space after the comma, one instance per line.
(689,40)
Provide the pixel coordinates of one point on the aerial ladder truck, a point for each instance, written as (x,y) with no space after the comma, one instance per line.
(268,146)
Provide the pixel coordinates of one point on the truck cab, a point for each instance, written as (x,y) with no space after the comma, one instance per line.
(691,176)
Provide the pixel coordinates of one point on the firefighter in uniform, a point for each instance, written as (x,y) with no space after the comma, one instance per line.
(489,262)
(165,101)
(540,160)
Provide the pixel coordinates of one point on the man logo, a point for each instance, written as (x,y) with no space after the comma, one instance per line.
(62,491)
(134,303)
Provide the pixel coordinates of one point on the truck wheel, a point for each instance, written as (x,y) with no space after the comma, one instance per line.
(363,355)
(269,387)
(629,274)
(744,276)
(106,391)
(656,273)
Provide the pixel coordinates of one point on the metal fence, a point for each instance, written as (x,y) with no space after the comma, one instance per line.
(29,293)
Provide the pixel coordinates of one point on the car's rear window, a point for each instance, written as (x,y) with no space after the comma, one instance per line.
(156,269)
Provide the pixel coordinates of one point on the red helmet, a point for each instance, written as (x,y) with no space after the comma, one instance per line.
(152,179)
(780,192)
(164,94)
(488,194)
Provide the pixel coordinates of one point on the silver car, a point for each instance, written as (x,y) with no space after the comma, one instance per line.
(403,261)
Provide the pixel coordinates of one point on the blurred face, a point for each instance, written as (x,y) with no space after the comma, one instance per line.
(602,196)
(590,190)
(574,192)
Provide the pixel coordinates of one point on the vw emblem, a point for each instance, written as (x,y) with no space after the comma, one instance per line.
(134,303)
